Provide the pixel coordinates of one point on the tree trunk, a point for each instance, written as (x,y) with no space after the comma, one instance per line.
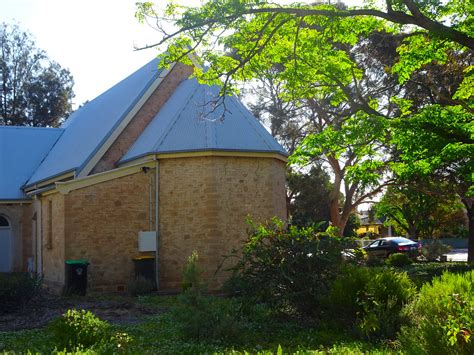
(470,241)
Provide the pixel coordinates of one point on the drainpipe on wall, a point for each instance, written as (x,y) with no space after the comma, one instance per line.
(157,224)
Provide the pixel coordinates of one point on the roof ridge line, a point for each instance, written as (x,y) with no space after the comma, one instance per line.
(31,127)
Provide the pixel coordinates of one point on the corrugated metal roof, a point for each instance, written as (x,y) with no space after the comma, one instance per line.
(189,121)
(21,151)
(88,127)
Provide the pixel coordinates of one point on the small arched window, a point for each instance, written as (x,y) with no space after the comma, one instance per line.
(3,222)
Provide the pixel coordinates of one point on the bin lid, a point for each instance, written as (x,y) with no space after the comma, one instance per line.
(144,257)
(78,262)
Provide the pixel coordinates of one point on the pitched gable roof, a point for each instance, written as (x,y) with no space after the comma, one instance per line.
(88,128)
(188,122)
(21,151)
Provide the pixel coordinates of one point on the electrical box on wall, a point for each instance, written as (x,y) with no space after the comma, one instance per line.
(147,241)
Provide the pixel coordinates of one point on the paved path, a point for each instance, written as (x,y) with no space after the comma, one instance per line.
(457,255)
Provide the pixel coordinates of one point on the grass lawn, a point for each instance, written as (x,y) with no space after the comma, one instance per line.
(160,333)
(169,326)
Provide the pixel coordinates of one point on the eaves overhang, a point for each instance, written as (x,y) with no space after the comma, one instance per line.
(205,153)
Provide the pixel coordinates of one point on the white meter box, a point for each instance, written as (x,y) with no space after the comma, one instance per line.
(147,241)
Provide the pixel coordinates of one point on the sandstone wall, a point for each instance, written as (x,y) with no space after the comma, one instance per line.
(103,222)
(53,240)
(203,205)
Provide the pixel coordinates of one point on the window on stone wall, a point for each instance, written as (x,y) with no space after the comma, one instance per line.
(49,223)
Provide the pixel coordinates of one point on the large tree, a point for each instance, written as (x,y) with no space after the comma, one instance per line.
(422,209)
(34,90)
(309,42)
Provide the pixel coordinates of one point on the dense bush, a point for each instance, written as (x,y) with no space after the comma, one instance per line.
(421,273)
(290,269)
(17,290)
(435,250)
(442,317)
(77,328)
(398,260)
(372,299)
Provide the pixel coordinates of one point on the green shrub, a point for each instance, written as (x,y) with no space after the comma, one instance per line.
(360,256)
(141,286)
(192,273)
(398,260)
(290,269)
(17,290)
(442,317)
(435,250)
(117,342)
(372,299)
(77,328)
(421,273)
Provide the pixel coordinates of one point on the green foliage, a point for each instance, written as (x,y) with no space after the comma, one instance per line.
(372,299)
(310,194)
(358,256)
(404,110)
(435,250)
(208,318)
(421,209)
(442,317)
(17,290)
(295,265)
(78,328)
(141,286)
(36,91)
(398,260)
(421,273)
(192,274)
(161,333)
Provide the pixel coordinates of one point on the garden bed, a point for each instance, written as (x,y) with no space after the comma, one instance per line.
(41,311)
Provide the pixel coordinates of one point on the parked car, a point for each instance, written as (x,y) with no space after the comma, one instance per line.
(384,247)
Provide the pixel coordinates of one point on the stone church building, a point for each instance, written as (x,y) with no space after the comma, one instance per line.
(151,161)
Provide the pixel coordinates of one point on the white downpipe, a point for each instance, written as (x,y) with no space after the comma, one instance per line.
(157,224)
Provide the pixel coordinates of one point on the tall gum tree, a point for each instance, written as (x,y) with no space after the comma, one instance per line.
(34,90)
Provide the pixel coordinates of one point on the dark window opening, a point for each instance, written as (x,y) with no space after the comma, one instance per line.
(4,222)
